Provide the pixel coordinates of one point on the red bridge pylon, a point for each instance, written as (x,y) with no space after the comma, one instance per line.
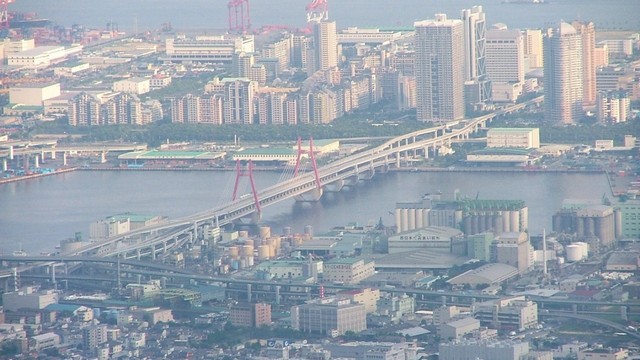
(312,157)
(248,172)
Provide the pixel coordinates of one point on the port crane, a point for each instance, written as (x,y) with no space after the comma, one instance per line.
(4,14)
(317,10)
(239,16)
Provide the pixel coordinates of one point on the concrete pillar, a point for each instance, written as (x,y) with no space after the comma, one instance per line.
(11,152)
(278,294)
(623,313)
(103,157)
(36,161)
(53,155)
(426,152)
(574,308)
(398,159)
(195,230)
(137,254)
(4,165)
(249,293)
(53,274)
(64,159)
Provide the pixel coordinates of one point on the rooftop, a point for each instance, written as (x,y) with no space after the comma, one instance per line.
(486,274)
(267,151)
(170,155)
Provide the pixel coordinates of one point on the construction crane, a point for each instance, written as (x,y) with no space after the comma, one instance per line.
(239,16)
(317,11)
(4,14)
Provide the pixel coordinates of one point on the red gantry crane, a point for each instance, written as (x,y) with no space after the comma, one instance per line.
(239,16)
(4,14)
(317,11)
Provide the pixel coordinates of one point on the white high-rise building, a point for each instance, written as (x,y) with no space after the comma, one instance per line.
(475,52)
(239,94)
(439,69)
(505,55)
(563,75)
(325,45)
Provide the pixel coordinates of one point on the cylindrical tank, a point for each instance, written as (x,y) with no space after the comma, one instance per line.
(466,225)
(286,231)
(419,218)
(474,224)
(399,220)
(243,234)
(584,248)
(265,232)
(506,222)
(573,253)
(247,250)
(243,263)
(617,216)
(233,252)
(277,244)
(249,261)
(308,229)
(263,252)
(580,229)
(404,223)
(272,251)
(411,214)
(457,217)
(514,219)
(524,218)
(497,224)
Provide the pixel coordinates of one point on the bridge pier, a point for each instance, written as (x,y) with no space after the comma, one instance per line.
(335,186)
(623,313)
(4,165)
(195,231)
(278,294)
(11,154)
(53,154)
(137,254)
(574,308)
(310,196)
(249,293)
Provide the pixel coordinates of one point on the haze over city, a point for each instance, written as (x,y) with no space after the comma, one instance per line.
(327,179)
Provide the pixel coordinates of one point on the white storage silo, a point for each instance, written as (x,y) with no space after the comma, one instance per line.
(573,253)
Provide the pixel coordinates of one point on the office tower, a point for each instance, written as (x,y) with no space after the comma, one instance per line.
(588,32)
(505,56)
(439,69)
(533,49)
(325,45)
(563,74)
(474,54)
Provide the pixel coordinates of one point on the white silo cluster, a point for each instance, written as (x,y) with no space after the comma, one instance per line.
(577,251)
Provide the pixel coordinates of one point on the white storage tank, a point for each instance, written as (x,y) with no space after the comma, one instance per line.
(233,252)
(263,252)
(573,253)
(585,248)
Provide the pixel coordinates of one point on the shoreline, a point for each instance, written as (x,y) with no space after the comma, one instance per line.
(405,169)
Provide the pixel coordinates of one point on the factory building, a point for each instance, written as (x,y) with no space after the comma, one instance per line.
(515,313)
(594,223)
(347,270)
(473,216)
(436,238)
(492,349)
(207,48)
(513,249)
(329,316)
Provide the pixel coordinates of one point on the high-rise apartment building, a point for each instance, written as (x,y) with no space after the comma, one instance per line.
(533,49)
(325,45)
(439,69)
(239,95)
(588,32)
(474,53)
(563,74)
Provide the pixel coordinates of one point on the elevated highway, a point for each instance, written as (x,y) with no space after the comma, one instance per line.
(156,239)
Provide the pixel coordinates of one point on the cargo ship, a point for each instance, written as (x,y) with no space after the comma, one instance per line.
(535,2)
(27,20)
